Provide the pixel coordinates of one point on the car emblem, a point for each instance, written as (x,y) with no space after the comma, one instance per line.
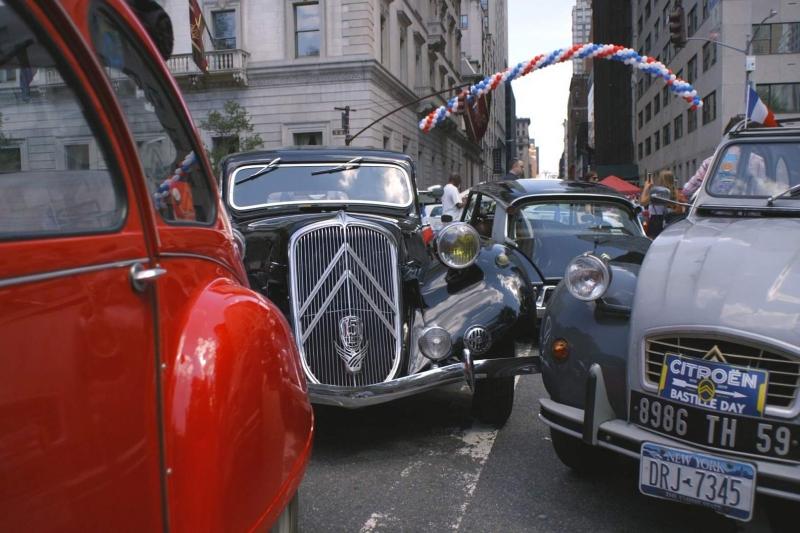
(714,354)
(706,390)
(353,347)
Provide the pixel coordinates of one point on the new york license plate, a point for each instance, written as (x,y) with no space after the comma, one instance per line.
(724,485)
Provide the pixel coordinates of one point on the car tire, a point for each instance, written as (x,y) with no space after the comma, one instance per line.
(493,400)
(574,453)
(289,520)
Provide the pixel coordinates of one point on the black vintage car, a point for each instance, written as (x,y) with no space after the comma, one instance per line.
(334,238)
(548,222)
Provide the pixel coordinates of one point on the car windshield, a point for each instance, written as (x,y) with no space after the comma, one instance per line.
(756,170)
(570,218)
(319,184)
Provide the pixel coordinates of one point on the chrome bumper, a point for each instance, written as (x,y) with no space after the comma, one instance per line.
(598,425)
(464,372)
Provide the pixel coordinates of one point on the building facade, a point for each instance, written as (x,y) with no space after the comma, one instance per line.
(291,63)
(581,29)
(522,135)
(670,136)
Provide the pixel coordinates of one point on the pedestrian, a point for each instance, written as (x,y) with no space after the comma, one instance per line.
(451,199)
(517,168)
(591,177)
(696,181)
(660,214)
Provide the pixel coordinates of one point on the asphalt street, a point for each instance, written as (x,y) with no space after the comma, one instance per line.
(422,464)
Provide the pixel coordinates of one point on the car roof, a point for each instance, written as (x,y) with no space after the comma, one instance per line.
(317,154)
(510,191)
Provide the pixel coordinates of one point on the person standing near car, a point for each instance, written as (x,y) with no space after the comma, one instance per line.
(516,171)
(660,214)
(451,200)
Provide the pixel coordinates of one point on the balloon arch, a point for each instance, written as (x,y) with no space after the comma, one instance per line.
(612,52)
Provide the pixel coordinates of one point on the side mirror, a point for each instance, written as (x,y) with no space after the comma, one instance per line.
(437,191)
(659,194)
(157,23)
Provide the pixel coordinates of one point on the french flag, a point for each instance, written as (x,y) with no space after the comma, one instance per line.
(757,111)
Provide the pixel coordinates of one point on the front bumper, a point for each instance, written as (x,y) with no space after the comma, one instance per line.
(598,426)
(468,371)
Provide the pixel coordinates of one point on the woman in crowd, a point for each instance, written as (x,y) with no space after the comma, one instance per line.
(660,214)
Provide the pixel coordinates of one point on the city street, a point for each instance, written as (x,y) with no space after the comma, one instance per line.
(422,464)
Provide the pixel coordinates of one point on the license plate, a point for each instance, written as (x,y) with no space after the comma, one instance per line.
(713,385)
(724,485)
(744,434)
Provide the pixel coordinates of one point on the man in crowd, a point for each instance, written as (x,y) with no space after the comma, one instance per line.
(516,171)
(451,199)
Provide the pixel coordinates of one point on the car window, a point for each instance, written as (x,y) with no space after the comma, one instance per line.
(756,170)
(580,216)
(176,180)
(54,176)
(436,211)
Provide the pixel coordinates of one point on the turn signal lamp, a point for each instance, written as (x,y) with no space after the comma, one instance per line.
(435,343)
(560,349)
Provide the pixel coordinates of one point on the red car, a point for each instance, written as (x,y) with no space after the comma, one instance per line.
(143,385)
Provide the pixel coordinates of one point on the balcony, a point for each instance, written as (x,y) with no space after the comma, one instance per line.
(222,64)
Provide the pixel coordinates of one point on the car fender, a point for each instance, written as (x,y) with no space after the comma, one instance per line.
(494,292)
(238,424)
(597,332)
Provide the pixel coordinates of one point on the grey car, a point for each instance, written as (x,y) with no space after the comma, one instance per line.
(690,361)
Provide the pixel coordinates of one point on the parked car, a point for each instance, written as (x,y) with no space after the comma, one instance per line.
(334,238)
(690,362)
(547,222)
(143,385)
(432,216)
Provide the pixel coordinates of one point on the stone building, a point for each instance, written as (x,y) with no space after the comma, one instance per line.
(290,63)
(524,145)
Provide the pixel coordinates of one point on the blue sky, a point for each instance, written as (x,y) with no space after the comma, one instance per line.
(538,27)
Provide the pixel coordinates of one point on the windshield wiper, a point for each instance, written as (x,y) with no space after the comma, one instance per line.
(791,191)
(272,165)
(350,165)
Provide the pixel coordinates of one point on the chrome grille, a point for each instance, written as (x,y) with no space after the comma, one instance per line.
(784,372)
(345,302)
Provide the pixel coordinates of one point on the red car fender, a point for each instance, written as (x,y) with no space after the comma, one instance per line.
(238,424)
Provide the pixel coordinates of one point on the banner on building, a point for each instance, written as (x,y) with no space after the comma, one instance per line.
(476,118)
(197,26)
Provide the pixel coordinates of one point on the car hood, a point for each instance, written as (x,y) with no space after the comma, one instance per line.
(735,275)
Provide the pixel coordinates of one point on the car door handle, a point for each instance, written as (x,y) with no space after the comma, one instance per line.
(141,277)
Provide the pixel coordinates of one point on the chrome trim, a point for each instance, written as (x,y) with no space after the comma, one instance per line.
(541,304)
(725,335)
(472,231)
(375,297)
(232,182)
(478,339)
(45,276)
(355,397)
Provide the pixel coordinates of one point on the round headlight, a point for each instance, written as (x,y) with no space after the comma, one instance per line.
(458,245)
(435,343)
(587,277)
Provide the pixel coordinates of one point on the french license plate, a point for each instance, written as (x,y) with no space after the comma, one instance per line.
(724,485)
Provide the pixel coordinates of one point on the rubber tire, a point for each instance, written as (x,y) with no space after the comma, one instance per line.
(575,454)
(493,400)
(289,520)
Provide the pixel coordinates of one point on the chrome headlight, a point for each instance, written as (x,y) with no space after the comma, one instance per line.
(458,245)
(435,343)
(587,277)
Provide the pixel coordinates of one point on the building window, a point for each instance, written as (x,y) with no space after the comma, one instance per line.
(665,15)
(709,55)
(384,40)
(656,27)
(464,22)
(691,120)
(307,34)
(639,26)
(648,113)
(641,119)
(691,22)
(705,9)
(76,157)
(10,159)
(648,149)
(782,38)
(8,74)
(417,64)
(648,10)
(710,108)
(432,71)
(677,125)
(224,25)
(639,89)
(656,104)
(691,69)
(307,138)
(497,160)
(665,54)
(647,44)
(641,150)
(403,53)
(665,97)
(665,135)
(657,141)
(781,97)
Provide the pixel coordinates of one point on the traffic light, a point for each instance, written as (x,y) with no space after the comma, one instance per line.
(677,26)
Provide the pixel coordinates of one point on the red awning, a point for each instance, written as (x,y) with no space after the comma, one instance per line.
(620,185)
